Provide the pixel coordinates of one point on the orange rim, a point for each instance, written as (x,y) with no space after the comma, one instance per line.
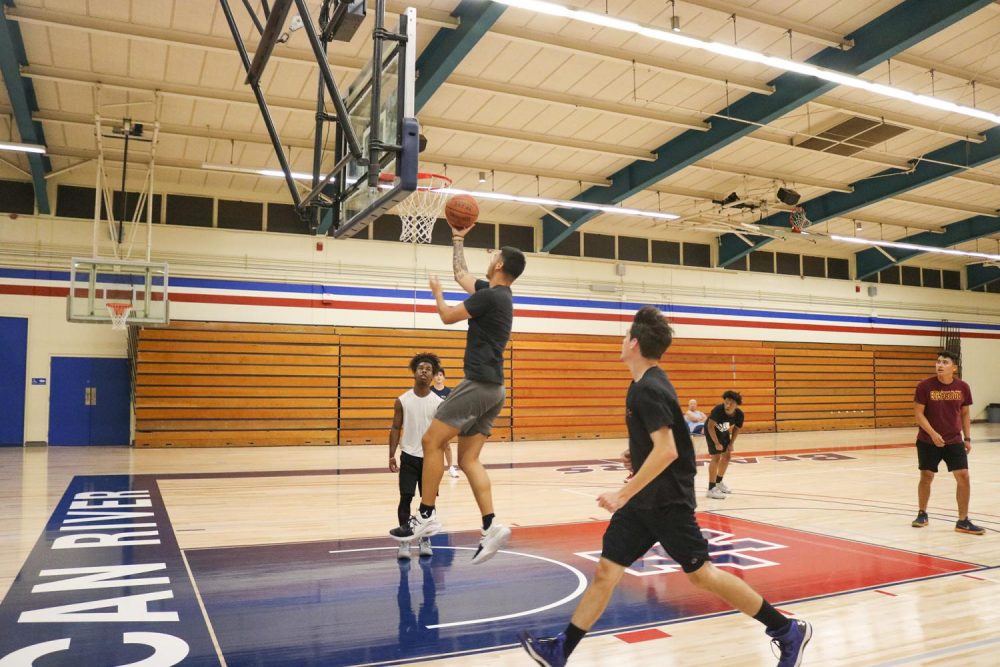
(445,182)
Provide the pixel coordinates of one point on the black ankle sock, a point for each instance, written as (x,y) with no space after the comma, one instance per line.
(425,510)
(487,521)
(718,478)
(711,485)
(573,637)
(772,618)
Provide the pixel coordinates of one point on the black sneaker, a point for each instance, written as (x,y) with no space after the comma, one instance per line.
(966,526)
(921,520)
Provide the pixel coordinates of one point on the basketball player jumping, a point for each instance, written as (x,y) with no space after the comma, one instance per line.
(657,505)
(412,414)
(470,409)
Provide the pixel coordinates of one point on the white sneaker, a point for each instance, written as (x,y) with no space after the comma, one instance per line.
(419,527)
(715,493)
(404,551)
(453,472)
(721,486)
(492,541)
(425,547)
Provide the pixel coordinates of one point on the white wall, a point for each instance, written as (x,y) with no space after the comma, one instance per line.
(48,243)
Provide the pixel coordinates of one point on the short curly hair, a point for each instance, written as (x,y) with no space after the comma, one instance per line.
(735,395)
(429,357)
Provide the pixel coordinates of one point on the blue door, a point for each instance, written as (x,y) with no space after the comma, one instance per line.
(89,401)
(13,368)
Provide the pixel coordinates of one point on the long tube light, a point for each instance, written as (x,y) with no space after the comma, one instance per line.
(562,203)
(21,148)
(274,173)
(914,246)
(730,51)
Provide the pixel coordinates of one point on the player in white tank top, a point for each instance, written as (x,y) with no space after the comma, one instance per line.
(412,414)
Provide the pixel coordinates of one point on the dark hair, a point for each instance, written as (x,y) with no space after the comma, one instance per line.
(513,261)
(651,329)
(735,395)
(948,354)
(429,357)
(441,371)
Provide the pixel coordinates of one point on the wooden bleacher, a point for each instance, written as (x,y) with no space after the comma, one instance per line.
(209,384)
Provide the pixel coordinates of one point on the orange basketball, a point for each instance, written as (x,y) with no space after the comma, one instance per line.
(461,211)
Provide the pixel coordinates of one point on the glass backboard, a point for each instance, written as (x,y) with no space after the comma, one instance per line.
(94,283)
(358,202)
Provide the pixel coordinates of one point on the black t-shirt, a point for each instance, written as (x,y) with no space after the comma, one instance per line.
(442,392)
(724,424)
(492,311)
(652,404)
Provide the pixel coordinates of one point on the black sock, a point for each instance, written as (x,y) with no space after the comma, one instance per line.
(772,618)
(711,485)
(487,521)
(718,479)
(425,510)
(573,637)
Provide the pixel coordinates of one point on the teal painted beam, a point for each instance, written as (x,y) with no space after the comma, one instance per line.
(870,261)
(22,99)
(450,46)
(980,275)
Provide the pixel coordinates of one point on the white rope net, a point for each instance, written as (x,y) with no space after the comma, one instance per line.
(119,312)
(798,219)
(421,209)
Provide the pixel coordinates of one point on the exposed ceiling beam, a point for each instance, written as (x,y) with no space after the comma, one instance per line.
(906,24)
(948,205)
(583,47)
(714,165)
(978,275)
(957,72)
(686,121)
(507,168)
(538,138)
(799,30)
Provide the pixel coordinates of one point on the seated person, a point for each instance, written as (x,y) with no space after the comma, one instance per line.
(695,418)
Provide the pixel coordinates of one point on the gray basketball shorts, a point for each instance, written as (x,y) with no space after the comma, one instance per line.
(471,407)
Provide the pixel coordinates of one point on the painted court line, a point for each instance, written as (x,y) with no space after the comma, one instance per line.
(951,650)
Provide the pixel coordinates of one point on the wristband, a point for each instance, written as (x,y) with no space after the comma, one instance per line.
(968,440)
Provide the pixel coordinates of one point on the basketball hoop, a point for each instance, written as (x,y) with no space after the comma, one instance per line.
(797,219)
(421,209)
(119,314)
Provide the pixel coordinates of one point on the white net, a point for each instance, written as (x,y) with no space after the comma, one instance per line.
(119,315)
(798,219)
(421,209)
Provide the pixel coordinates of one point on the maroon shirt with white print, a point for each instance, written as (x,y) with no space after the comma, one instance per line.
(943,408)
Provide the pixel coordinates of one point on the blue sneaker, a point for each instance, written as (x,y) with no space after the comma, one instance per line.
(792,643)
(546,651)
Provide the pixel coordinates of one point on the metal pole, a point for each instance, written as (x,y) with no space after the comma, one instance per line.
(121,218)
(262,103)
(331,84)
(374,140)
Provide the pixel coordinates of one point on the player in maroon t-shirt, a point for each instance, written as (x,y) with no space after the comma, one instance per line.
(941,406)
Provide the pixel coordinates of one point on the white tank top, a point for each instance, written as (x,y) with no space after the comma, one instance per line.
(417,416)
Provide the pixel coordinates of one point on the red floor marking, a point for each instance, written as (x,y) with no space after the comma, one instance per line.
(642,636)
(886,593)
(976,578)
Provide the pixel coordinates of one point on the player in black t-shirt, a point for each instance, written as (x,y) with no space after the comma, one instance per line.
(471,407)
(657,505)
(724,424)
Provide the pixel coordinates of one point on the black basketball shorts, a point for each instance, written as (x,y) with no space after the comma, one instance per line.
(633,531)
(929,457)
(411,471)
(712,449)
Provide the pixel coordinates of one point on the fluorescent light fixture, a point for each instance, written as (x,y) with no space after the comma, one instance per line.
(914,246)
(21,148)
(273,173)
(562,203)
(730,51)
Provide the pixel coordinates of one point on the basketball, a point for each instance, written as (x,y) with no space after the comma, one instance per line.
(461,211)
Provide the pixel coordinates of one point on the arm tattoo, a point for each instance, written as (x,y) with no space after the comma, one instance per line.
(458,259)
